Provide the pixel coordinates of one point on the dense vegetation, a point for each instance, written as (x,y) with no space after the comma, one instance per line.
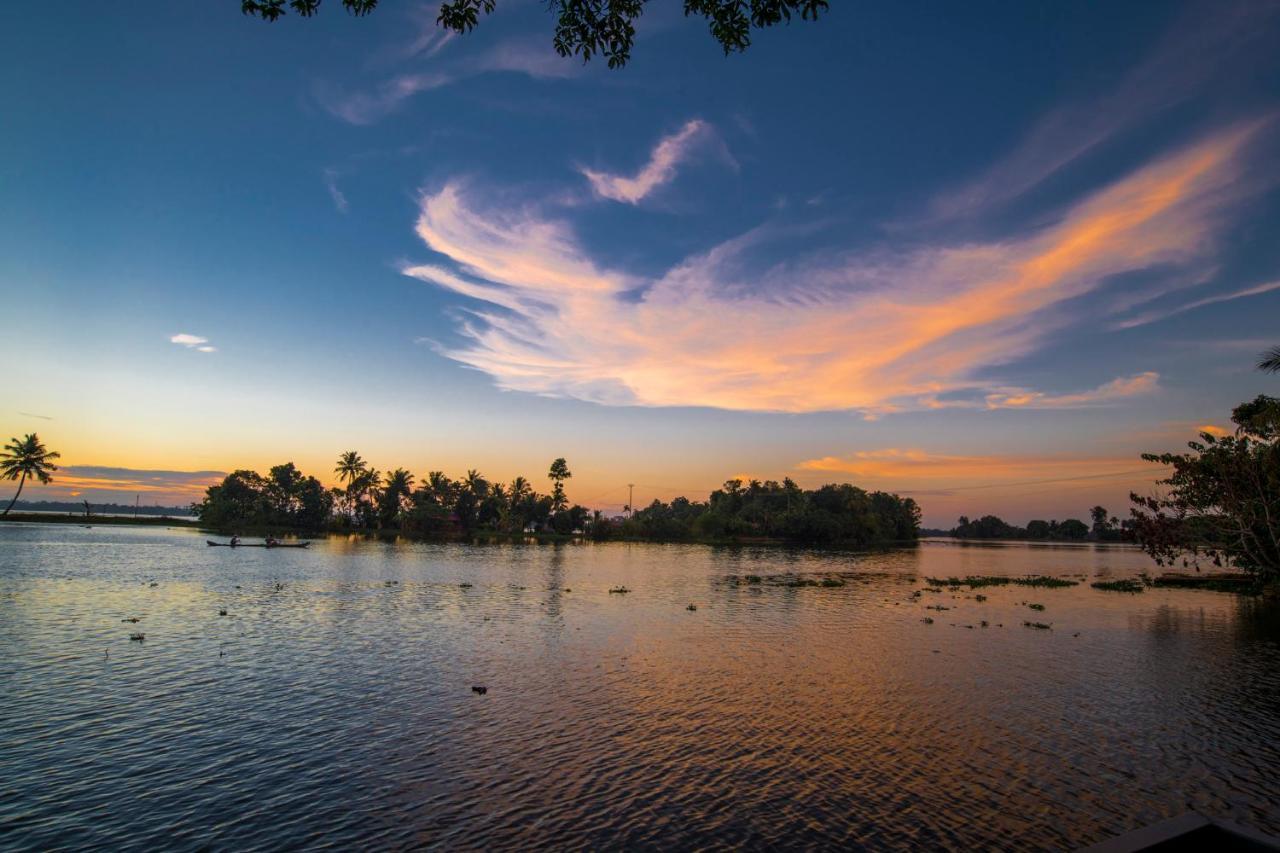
(369,499)
(834,514)
(437,506)
(1105,528)
(588,28)
(1223,498)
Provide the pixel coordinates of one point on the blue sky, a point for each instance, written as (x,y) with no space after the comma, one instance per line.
(981,253)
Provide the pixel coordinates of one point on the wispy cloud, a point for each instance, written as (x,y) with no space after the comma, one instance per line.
(661,168)
(909,466)
(331,184)
(192,342)
(368,107)
(518,56)
(1116,389)
(1203,46)
(870,331)
(111,483)
(1155,316)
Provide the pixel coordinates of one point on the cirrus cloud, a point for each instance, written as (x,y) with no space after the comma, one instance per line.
(872,331)
(661,168)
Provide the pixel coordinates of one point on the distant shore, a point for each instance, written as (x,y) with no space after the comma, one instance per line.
(81,518)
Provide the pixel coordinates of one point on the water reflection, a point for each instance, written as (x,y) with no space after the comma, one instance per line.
(333,704)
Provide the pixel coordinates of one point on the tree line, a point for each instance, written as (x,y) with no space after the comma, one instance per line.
(374,500)
(831,515)
(369,499)
(1105,528)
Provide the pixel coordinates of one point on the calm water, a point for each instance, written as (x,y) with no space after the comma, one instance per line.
(332,705)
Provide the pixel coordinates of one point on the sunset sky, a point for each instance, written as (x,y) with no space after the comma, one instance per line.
(981,254)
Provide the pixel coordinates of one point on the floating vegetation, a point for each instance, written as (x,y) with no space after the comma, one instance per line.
(928,620)
(938,607)
(1038,625)
(1045,581)
(753,579)
(832,582)
(479,689)
(979,598)
(1221,582)
(933,589)
(1036,606)
(138,637)
(621,590)
(464,585)
(134,619)
(222,612)
(1126,585)
(979,581)
(692,607)
(985,623)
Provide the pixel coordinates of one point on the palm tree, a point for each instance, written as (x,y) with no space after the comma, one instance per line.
(394,495)
(1270,361)
(476,483)
(23,459)
(350,467)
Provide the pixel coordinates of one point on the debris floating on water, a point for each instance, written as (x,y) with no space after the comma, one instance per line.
(622,590)
(138,637)
(479,688)
(692,607)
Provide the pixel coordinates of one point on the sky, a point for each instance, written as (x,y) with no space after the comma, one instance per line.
(981,254)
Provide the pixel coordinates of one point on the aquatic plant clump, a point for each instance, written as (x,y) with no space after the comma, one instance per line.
(979,581)
(1038,625)
(1126,585)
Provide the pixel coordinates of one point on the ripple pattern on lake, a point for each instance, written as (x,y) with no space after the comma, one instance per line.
(332,705)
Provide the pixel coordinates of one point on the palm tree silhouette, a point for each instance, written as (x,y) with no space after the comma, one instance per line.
(350,467)
(23,459)
(1270,361)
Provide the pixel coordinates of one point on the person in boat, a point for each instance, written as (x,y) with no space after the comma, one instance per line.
(271,541)
(235,540)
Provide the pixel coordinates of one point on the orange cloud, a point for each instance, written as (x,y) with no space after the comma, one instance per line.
(871,332)
(1117,389)
(122,484)
(911,465)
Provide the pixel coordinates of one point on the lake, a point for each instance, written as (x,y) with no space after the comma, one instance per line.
(333,704)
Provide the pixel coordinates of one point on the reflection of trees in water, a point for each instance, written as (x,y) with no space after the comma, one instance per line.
(555,583)
(1225,661)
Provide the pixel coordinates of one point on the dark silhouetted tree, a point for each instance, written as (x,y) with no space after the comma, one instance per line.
(23,458)
(589,28)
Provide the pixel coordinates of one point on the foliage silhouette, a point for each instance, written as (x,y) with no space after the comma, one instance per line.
(589,28)
(23,458)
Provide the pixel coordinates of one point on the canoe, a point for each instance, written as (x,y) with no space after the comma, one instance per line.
(257,544)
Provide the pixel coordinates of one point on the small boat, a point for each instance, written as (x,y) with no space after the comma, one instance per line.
(213,544)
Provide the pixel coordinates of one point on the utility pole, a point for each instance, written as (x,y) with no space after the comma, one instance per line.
(631,500)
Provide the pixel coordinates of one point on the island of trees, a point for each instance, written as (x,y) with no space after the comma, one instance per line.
(438,505)
(1105,528)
